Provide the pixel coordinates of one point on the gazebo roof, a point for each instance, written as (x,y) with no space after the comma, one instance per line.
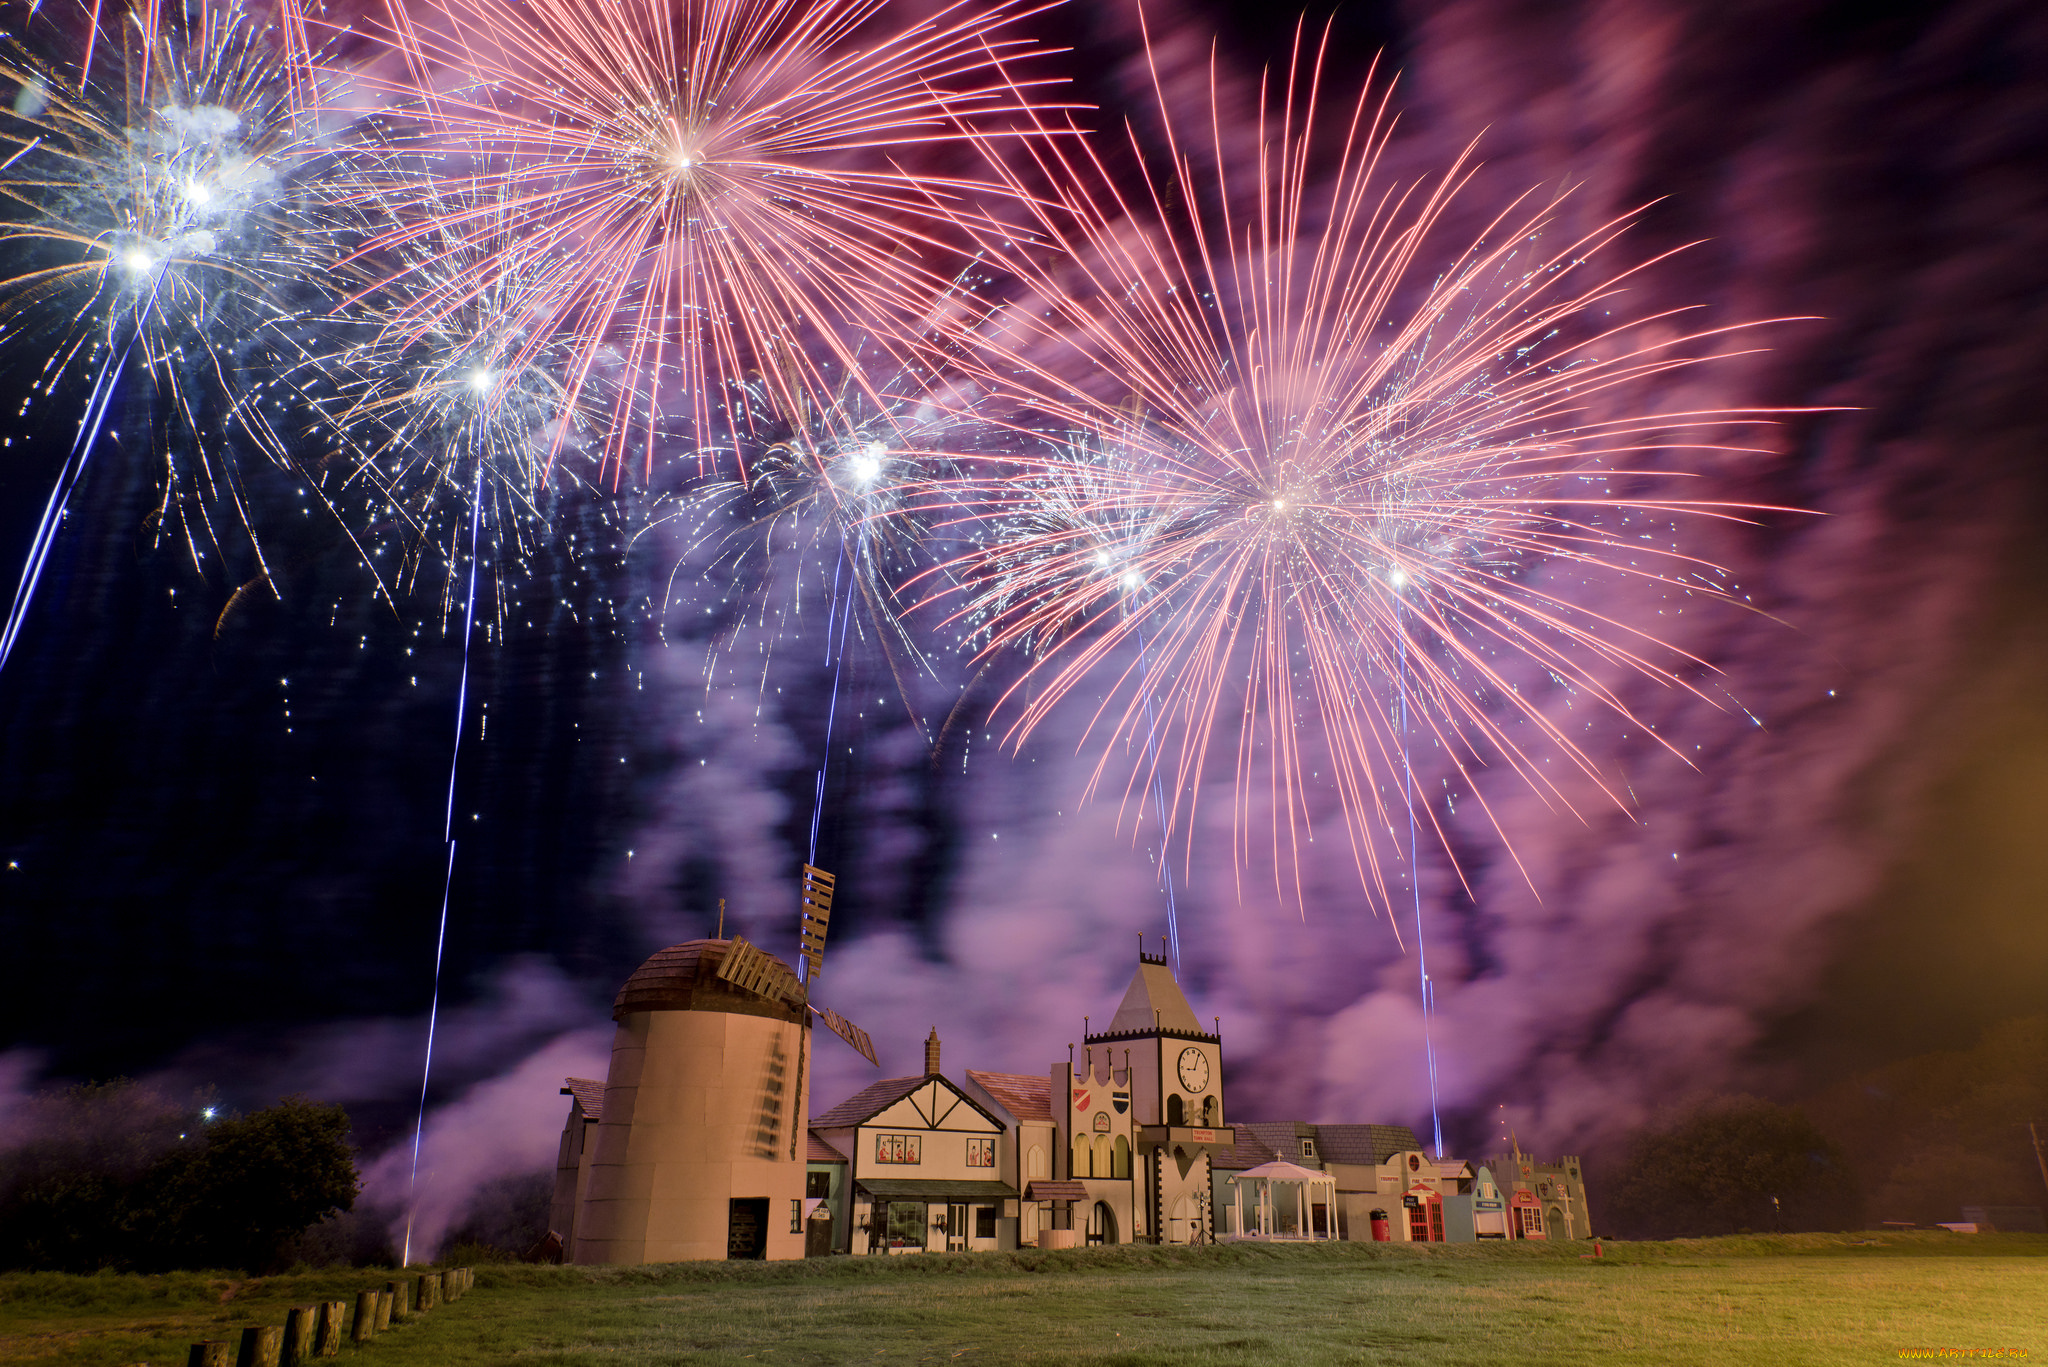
(1280,1170)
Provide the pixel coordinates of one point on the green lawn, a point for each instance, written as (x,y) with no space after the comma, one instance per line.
(1786,1299)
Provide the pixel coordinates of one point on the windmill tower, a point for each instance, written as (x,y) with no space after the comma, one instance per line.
(699,1149)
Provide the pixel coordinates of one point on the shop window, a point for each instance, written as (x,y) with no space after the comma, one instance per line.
(897,1148)
(817,1185)
(906,1224)
(984,1222)
(981,1153)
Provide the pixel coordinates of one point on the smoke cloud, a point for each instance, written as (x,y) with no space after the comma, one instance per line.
(1628,947)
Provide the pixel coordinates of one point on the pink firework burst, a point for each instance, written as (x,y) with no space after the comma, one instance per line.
(1323,498)
(715,191)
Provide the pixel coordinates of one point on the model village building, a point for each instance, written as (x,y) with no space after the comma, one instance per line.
(695,1144)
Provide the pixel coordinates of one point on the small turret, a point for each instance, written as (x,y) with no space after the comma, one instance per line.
(931,1053)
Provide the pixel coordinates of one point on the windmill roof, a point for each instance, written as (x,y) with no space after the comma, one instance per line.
(685,977)
(1022,1095)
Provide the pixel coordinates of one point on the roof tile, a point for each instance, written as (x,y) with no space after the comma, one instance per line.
(863,1105)
(1024,1096)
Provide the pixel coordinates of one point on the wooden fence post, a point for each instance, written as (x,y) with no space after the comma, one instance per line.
(365,1326)
(383,1310)
(429,1293)
(262,1344)
(212,1353)
(298,1337)
(327,1339)
(401,1300)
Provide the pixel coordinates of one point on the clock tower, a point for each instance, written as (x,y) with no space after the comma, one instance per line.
(1177,1096)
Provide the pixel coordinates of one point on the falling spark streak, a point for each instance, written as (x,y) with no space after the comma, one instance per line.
(448,878)
(710,190)
(1297,449)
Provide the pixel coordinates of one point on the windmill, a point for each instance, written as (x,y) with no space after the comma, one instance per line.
(751,970)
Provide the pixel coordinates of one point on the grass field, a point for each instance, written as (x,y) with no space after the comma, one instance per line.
(1809,1298)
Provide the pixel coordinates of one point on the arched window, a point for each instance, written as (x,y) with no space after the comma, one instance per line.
(1176,1110)
(1084,1157)
(1120,1158)
(1209,1120)
(1034,1162)
(1177,1222)
(1104,1167)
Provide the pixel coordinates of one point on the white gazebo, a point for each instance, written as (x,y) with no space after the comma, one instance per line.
(1270,1208)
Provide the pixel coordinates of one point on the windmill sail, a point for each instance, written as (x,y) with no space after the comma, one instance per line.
(851,1033)
(817,914)
(750,970)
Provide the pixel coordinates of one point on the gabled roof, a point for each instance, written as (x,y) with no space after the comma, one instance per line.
(589,1094)
(1248,1152)
(1022,1095)
(1284,1138)
(1365,1144)
(821,1152)
(866,1103)
(877,1097)
(1153,1002)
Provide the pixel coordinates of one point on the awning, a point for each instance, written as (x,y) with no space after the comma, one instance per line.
(1055,1191)
(913,1189)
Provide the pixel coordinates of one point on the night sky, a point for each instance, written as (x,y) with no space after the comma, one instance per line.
(221,832)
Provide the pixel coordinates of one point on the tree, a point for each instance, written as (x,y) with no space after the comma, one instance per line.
(261,1179)
(120,1175)
(74,1160)
(1733,1164)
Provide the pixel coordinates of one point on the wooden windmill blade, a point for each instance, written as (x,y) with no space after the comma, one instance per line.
(750,969)
(818,887)
(848,1031)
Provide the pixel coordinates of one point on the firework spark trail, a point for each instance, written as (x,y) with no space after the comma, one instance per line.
(1317,439)
(150,214)
(863,484)
(104,388)
(476,524)
(410,406)
(711,189)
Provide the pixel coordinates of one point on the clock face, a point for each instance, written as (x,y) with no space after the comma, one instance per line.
(1194,1070)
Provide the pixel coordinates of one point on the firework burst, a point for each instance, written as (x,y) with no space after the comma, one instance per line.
(420,414)
(152,225)
(710,190)
(1319,486)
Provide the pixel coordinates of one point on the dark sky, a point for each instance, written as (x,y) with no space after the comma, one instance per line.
(222,835)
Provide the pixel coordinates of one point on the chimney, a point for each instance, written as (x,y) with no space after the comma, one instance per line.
(931,1052)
